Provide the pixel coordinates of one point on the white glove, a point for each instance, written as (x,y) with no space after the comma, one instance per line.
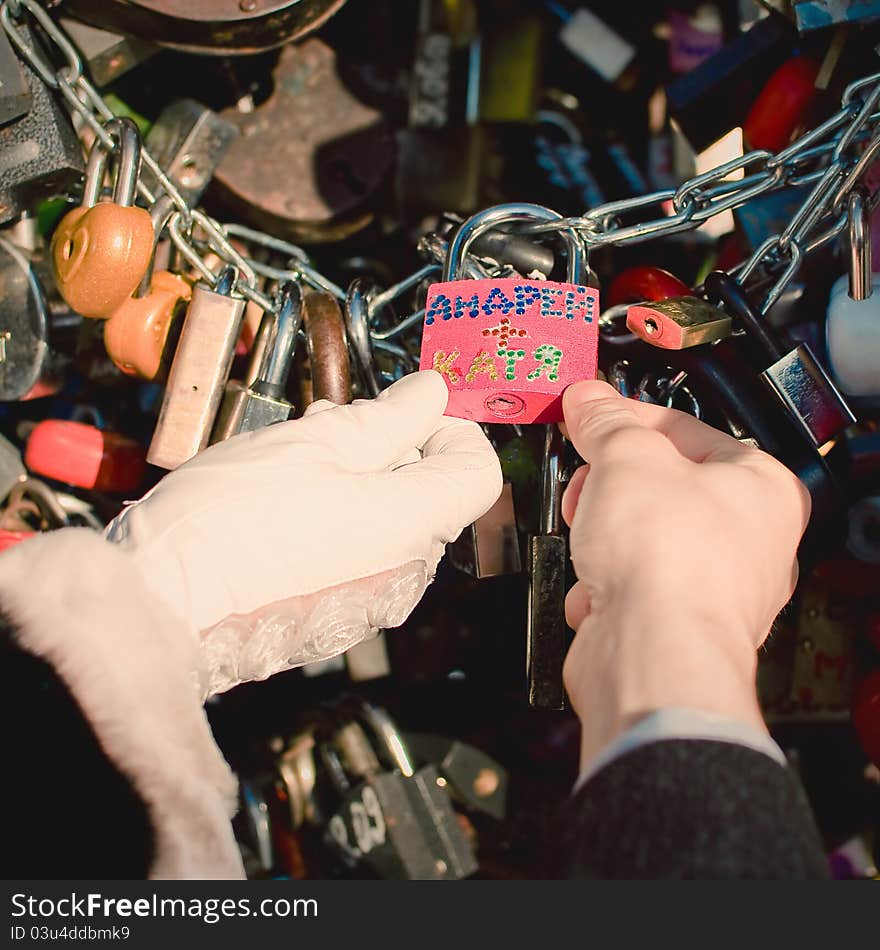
(293,543)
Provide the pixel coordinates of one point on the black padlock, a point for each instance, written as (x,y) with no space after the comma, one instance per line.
(398,821)
(547,633)
(792,374)
(15,94)
(42,156)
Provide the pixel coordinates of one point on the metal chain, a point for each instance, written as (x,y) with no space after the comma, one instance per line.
(831,158)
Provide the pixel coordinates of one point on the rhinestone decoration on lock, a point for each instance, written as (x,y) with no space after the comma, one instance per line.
(508,348)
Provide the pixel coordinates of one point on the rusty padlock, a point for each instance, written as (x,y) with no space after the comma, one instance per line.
(508,347)
(327,373)
(135,336)
(101,250)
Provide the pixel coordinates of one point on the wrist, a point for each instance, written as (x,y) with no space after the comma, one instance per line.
(636,655)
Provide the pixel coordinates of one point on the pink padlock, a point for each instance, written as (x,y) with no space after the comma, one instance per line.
(509,347)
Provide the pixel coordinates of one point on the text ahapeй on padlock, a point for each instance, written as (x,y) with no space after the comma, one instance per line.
(509,347)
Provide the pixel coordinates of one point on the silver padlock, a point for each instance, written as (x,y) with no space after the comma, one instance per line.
(795,377)
(198,372)
(28,361)
(263,403)
(490,546)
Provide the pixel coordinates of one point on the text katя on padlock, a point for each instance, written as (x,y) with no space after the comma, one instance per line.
(508,348)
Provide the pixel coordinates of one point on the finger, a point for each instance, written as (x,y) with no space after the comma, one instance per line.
(603,425)
(573,493)
(319,405)
(577,605)
(369,435)
(694,439)
(457,480)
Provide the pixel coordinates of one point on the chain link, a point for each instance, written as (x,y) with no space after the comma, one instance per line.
(831,159)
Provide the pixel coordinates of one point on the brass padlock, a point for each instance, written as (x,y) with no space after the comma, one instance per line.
(678,323)
(101,250)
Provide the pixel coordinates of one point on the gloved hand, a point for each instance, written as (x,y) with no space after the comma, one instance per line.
(684,544)
(295,542)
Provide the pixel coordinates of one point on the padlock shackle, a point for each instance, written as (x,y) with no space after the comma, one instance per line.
(160,215)
(128,159)
(96,169)
(551,484)
(226,281)
(859,225)
(722,288)
(128,164)
(356,312)
(484,221)
(290,316)
(386,733)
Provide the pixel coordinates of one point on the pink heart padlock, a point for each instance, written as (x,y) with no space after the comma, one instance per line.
(508,347)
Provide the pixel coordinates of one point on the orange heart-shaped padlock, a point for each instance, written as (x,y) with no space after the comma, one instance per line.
(101,250)
(100,255)
(136,334)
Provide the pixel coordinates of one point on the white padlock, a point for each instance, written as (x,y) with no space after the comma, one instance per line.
(852,328)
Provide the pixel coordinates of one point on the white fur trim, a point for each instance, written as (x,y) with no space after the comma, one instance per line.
(79,603)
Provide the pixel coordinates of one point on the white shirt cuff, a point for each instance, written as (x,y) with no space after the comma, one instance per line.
(677,723)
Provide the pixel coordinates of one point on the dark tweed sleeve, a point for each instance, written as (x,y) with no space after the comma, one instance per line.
(686,808)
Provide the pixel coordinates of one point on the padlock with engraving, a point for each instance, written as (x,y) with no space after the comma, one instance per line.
(101,250)
(399,821)
(199,372)
(508,347)
(546,631)
(678,323)
(852,330)
(441,151)
(136,335)
(325,372)
(263,403)
(794,376)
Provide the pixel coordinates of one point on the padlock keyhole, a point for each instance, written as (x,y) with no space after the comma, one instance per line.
(651,326)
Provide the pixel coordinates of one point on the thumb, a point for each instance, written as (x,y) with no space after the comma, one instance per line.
(602,424)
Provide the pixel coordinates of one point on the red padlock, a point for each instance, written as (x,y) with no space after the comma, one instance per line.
(782,105)
(508,348)
(9,539)
(84,456)
(866,714)
(636,284)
